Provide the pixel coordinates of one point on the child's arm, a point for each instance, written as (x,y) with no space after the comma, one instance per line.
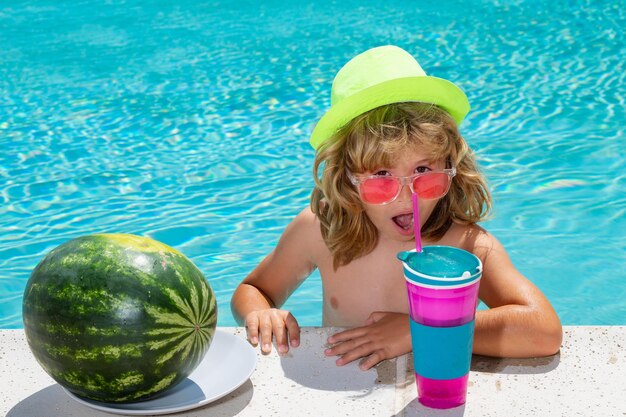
(520,321)
(257,299)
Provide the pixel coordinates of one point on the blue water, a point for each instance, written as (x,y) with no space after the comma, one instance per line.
(188,122)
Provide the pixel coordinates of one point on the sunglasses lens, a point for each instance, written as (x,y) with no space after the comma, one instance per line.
(379,190)
(432,185)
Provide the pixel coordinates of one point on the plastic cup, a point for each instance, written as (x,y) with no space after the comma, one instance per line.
(442,284)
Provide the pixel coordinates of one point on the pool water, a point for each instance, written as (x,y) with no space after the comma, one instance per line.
(188,122)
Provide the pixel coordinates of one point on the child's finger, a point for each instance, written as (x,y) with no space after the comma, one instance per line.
(344,348)
(355,353)
(371,360)
(280,334)
(252,329)
(346,335)
(265,327)
(294,330)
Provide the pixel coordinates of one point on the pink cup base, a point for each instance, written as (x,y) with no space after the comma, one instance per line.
(441,394)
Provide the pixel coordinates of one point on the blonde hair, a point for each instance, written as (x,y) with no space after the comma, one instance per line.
(374,140)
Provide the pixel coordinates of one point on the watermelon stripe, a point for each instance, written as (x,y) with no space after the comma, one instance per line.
(203,340)
(166,331)
(194,311)
(122,383)
(160,343)
(104,331)
(178,348)
(161,316)
(182,305)
(158,387)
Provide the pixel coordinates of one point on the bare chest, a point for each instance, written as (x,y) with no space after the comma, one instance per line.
(372,283)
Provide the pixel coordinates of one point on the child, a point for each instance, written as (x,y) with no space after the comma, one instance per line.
(391,130)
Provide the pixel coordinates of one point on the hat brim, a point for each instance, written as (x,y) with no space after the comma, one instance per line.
(426,89)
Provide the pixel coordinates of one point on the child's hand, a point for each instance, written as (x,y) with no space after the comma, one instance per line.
(385,335)
(281,324)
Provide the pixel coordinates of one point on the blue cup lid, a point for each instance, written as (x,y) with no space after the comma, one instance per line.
(441,266)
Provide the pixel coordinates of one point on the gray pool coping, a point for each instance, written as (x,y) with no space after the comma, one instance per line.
(586,378)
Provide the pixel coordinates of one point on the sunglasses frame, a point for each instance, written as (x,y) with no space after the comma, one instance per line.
(357,181)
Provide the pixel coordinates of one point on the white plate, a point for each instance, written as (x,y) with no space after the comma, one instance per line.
(226,366)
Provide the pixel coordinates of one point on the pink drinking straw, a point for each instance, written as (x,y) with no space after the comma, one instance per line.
(416,224)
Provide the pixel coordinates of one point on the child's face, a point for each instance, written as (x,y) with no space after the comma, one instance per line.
(395,220)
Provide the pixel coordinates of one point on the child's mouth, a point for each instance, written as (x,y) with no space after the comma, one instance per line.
(404,221)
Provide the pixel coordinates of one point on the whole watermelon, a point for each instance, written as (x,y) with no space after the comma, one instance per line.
(118,318)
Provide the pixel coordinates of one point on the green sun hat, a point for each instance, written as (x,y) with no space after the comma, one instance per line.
(380,76)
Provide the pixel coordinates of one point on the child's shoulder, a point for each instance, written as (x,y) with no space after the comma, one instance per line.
(304,231)
(471,237)
(306,219)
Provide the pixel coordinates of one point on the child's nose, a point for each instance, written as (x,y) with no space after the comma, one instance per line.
(405,193)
